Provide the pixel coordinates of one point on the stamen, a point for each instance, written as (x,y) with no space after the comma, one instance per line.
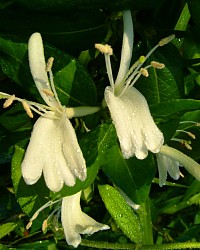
(187,122)
(188,133)
(183,142)
(49,203)
(49,64)
(157,65)
(53,87)
(109,71)
(144,72)
(44,225)
(27,108)
(47,92)
(166,40)
(9,101)
(104,48)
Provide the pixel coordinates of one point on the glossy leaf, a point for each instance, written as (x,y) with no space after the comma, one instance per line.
(121,212)
(73,84)
(133,176)
(72,31)
(7,228)
(169,113)
(32,197)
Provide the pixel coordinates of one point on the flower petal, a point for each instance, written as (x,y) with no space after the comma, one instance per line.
(38,68)
(134,124)
(45,153)
(167,164)
(34,158)
(75,222)
(190,165)
(72,151)
(127,47)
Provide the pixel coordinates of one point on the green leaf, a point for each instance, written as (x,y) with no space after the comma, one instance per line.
(163,84)
(168,114)
(30,197)
(194,10)
(73,84)
(73,32)
(16,119)
(7,228)
(133,176)
(122,213)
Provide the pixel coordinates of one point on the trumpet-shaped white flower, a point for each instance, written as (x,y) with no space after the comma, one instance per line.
(167,165)
(169,159)
(75,222)
(53,148)
(129,110)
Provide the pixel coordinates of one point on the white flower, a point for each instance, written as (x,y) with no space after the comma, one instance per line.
(53,148)
(169,159)
(167,165)
(75,222)
(129,110)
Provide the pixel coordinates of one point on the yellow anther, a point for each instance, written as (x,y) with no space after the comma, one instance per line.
(144,72)
(44,225)
(104,48)
(166,40)
(191,135)
(49,64)
(27,109)
(9,101)
(157,65)
(47,92)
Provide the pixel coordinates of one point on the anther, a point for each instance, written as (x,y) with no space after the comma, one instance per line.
(157,65)
(27,109)
(166,40)
(44,225)
(187,132)
(104,48)
(49,64)
(144,72)
(9,101)
(48,92)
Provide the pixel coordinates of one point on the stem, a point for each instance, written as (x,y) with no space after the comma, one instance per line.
(147,223)
(106,245)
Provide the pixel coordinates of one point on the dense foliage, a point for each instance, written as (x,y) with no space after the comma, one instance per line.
(69,30)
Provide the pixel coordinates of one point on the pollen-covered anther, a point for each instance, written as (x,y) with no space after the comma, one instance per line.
(49,64)
(191,135)
(9,101)
(104,48)
(166,40)
(27,109)
(44,225)
(47,92)
(187,144)
(157,65)
(144,72)
(29,225)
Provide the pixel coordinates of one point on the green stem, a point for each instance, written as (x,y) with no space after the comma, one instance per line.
(145,217)
(106,245)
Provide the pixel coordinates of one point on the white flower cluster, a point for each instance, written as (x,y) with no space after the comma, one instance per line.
(53,148)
